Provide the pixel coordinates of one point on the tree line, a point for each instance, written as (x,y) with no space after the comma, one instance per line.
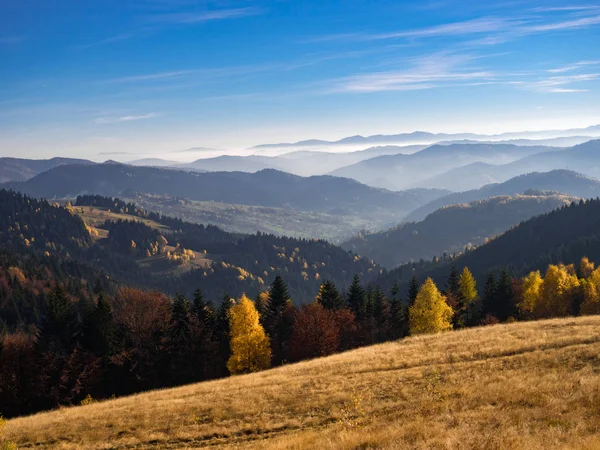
(135,340)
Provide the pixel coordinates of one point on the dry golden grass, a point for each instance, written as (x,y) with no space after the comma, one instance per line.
(521,386)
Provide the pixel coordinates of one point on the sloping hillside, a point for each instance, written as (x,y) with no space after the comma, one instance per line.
(532,385)
(563,181)
(452,228)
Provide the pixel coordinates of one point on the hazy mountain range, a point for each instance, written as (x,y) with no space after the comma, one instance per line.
(400,171)
(563,181)
(420,137)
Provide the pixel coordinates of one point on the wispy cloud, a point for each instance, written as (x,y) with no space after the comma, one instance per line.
(574,66)
(151,76)
(565,8)
(559,84)
(475,26)
(497,29)
(156,22)
(206,16)
(107,120)
(426,73)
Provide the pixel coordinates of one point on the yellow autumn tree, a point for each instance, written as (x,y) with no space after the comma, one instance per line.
(586,267)
(558,289)
(250,346)
(591,294)
(532,292)
(430,312)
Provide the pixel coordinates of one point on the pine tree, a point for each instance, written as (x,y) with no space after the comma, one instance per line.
(489,296)
(62,322)
(181,346)
(250,346)
(100,328)
(277,319)
(356,298)
(413,291)
(453,283)
(505,302)
(329,297)
(381,313)
(430,313)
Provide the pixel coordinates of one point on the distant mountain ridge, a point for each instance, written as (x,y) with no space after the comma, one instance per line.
(431,137)
(564,181)
(19,169)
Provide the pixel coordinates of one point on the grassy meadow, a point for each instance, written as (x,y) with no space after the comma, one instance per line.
(532,385)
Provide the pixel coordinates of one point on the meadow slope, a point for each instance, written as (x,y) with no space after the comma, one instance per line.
(533,385)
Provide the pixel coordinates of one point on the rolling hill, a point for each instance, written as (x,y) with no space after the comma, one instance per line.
(400,171)
(16,169)
(563,181)
(453,228)
(531,385)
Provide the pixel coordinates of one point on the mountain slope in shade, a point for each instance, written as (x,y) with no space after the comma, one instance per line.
(563,181)
(400,171)
(453,228)
(264,188)
(17,169)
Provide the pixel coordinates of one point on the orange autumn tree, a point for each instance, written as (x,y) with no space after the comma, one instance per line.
(250,345)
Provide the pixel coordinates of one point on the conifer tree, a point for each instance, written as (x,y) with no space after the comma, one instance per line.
(430,313)
(62,322)
(329,297)
(453,283)
(505,302)
(277,318)
(356,298)
(413,291)
(381,313)
(250,347)
(489,295)
(100,328)
(181,346)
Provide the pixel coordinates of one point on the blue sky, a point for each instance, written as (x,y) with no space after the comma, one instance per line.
(125,79)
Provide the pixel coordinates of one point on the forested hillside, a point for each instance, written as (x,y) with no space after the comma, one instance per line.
(453,228)
(563,235)
(562,181)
